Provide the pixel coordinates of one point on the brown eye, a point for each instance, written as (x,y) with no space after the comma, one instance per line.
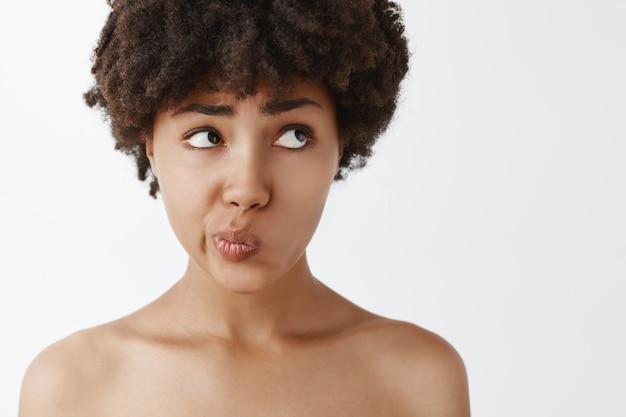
(204,139)
(293,138)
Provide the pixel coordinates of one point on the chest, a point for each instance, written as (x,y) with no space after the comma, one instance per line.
(309,384)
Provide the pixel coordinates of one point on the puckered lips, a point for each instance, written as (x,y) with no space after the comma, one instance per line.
(235,245)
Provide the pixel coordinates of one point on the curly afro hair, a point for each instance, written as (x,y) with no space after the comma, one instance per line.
(153,53)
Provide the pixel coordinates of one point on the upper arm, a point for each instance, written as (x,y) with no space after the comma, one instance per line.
(57,380)
(43,386)
(429,374)
(441,382)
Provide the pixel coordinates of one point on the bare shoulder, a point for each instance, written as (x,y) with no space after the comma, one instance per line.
(426,373)
(65,372)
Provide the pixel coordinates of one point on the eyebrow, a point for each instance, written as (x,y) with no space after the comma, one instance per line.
(271,108)
(276,107)
(205,109)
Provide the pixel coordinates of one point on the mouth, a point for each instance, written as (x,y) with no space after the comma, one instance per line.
(235,245)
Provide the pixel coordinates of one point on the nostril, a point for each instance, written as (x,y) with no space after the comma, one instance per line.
(251,206)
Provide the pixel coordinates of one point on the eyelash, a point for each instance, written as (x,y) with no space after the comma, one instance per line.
(193,132)
(306,130)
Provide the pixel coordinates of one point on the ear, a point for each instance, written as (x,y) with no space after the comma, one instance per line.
(340,155)
(150,155)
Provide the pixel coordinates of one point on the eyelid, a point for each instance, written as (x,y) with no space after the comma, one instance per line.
(192,132)
(308,133)
(189,135)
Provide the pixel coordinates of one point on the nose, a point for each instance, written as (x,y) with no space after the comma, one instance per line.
(247,184)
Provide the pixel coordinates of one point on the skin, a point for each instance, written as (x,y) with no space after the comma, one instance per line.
(253,334)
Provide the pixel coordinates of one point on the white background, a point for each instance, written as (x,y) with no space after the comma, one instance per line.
(492,212)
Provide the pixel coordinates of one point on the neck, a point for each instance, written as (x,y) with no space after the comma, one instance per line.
(292,305)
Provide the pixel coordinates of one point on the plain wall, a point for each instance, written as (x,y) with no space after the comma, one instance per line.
(492,212)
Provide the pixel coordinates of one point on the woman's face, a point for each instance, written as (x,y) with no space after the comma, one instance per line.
(244,182)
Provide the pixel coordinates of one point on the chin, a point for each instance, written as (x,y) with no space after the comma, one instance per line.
(245,284)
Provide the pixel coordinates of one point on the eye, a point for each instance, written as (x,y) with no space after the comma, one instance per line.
(203,139)
(293,138)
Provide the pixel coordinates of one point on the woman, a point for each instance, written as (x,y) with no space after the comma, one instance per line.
(241,114)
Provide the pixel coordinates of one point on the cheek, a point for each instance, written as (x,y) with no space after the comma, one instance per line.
(182,175)
(186,193)
(304,194)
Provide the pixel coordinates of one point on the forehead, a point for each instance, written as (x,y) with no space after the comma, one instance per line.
(268,100)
